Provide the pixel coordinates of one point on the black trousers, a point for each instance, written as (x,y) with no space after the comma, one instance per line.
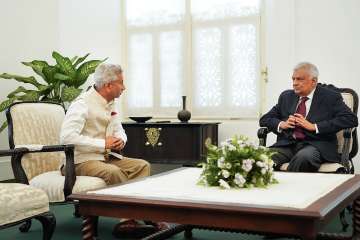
(302,157)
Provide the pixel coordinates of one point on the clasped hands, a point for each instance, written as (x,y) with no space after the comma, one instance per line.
(297,120)
(114,143)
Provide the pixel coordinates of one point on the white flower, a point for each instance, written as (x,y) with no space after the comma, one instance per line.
(231,147)
(260,164)
(225,173)
(221,162)
(224,144)
(224,184)
(243,145)
(228,165)
(247,165)
(263,171)
(239,180)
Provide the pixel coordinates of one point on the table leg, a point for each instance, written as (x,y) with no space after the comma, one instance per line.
(88,227)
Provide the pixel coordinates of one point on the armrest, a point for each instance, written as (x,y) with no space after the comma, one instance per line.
(4,153)
(346,149)
(262,135)
(20,150)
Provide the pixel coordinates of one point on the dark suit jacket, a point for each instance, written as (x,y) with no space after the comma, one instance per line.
(327,110)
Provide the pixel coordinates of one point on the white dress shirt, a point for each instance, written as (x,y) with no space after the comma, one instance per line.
(77,117)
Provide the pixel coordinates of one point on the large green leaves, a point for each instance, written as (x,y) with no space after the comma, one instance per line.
(31,95)
(70,93)
(62,80)
(3,126)
(85,70)
(37,66)
(49,73)
(5,104)
(20,89)
(65,65)
(80,60)
(30,80)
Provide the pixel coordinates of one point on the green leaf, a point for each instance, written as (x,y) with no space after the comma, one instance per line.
(64,64)
(32,95)
(20,89)
(44,88)
(37,66)
(74,59)
(49,72)
(70,93)
(80,60)
(5,104)
(85,70)
(62,77)
(30,80)
(3,126)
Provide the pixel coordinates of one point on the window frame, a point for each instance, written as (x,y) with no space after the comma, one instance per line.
(187,28)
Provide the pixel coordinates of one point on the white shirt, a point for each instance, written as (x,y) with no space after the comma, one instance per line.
(75,120)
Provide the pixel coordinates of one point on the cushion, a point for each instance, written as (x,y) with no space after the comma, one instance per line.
(38,123)
(20,201)
(53,184)
(325,167)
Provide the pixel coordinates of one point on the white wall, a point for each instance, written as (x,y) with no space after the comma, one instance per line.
(33,29)
(28,32)
(325,32)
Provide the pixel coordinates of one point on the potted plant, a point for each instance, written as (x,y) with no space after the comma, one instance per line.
(61,82)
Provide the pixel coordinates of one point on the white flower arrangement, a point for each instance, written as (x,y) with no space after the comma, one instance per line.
(238,164)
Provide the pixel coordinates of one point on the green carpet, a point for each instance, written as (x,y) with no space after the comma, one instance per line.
(69,228)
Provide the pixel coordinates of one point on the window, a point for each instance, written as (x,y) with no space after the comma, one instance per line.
(207,50)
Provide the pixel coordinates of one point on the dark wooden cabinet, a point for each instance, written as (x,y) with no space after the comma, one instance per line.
(177,143)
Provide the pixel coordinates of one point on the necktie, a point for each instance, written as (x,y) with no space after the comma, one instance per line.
(301,109)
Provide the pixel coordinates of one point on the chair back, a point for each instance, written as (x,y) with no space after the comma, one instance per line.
(351,99)
(36,123)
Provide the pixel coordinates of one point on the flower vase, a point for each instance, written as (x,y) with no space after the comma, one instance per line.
(184,115)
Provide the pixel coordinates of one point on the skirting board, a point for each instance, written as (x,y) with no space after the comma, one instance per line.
(5,169)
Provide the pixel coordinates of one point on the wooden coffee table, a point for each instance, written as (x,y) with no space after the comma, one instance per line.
(304,222)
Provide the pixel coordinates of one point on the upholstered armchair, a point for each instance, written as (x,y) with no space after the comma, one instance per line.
(19,203)
(34,129)
(347,142)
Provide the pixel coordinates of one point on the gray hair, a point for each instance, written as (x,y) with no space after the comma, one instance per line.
(106,73)
(311,68)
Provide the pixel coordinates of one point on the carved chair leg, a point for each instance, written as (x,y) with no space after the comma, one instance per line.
(88,230)
(25,226)
(48,222)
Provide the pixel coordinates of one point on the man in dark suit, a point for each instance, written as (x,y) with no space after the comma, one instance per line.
(306,120)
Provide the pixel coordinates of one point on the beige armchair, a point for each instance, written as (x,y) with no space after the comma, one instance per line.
(19,203)
(347,142)
(34,129)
